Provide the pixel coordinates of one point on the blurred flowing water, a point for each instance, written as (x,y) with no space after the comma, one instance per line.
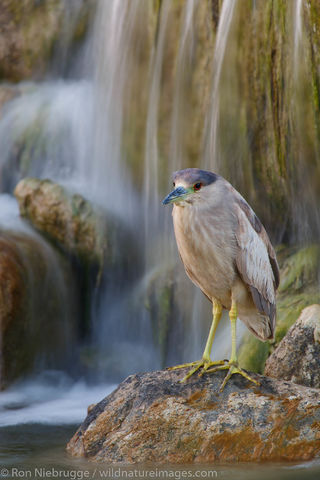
(212,155)
(152,90)
(75,130)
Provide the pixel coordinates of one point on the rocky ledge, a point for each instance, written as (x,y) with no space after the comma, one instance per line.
(153,417)
(297,357)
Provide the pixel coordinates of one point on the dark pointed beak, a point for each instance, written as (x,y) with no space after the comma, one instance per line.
(175,195)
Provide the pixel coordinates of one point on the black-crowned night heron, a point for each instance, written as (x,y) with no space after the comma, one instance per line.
(227,253)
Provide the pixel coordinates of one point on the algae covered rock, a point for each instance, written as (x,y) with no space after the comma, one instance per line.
(31,31)
(67,219)
(297,357)
(36,311)
(28,32)
(159,301)
(253,353)
(168,299)
(78,227)
(152,417)
(299,286)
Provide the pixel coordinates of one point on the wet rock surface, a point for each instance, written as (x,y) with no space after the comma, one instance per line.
(67,219)
(21,23)
(153,417)
(12,324)
(35,318)
(74,224)
(297,358)
(78,227)
(31,31)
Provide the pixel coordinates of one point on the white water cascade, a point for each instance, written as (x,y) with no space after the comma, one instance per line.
(114,129)
(213,159)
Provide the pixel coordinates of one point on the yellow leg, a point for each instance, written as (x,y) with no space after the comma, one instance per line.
(233,314)
(205,362)
(216,317)
(232,366)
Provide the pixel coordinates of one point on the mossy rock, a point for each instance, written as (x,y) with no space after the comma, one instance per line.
(159,301)
(300,270)
(299,286)
(289,309)
(37,313)
(92,236)
(32,30)
(253,353)
(67,219)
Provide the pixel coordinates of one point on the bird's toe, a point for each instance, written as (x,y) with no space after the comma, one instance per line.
(203,365)
(232,368)
(183,365)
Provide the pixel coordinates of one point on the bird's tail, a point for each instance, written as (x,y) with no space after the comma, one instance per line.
(260,325)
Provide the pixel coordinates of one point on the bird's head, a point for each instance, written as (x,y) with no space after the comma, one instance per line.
(189,186)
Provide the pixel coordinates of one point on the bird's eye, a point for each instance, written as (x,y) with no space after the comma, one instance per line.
(197,186)
(174,184)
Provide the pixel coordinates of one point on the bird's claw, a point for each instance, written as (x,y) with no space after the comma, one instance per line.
(203,364)
(232,368)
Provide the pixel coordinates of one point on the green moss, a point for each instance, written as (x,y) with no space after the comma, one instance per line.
(159,301)
(289,308)
(253,353)
(299,285)
(300,270)
(84,20)
(34,30)
(156,6)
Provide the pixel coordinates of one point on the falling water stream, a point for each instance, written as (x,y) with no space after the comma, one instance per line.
(213,156)
(109,129)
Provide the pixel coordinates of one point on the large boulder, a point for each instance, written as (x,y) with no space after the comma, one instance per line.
(67,219)
(153,417)
(78,227)
(13,295)
(37,314)
(297,357)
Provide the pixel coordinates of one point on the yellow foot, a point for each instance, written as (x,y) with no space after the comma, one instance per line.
(233,368)
(195,366)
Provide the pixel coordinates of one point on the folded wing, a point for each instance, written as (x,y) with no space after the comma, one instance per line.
(256,261)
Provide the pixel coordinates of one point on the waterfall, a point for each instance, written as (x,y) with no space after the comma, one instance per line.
(51,136)
(114,37)
(151,171)
(155,87)
(185,59)
(305,166)
(212,154)
(297,33)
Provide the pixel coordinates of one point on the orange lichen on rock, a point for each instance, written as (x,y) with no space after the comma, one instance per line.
(155,418)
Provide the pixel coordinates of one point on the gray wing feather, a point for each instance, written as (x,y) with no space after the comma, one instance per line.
(256,260)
